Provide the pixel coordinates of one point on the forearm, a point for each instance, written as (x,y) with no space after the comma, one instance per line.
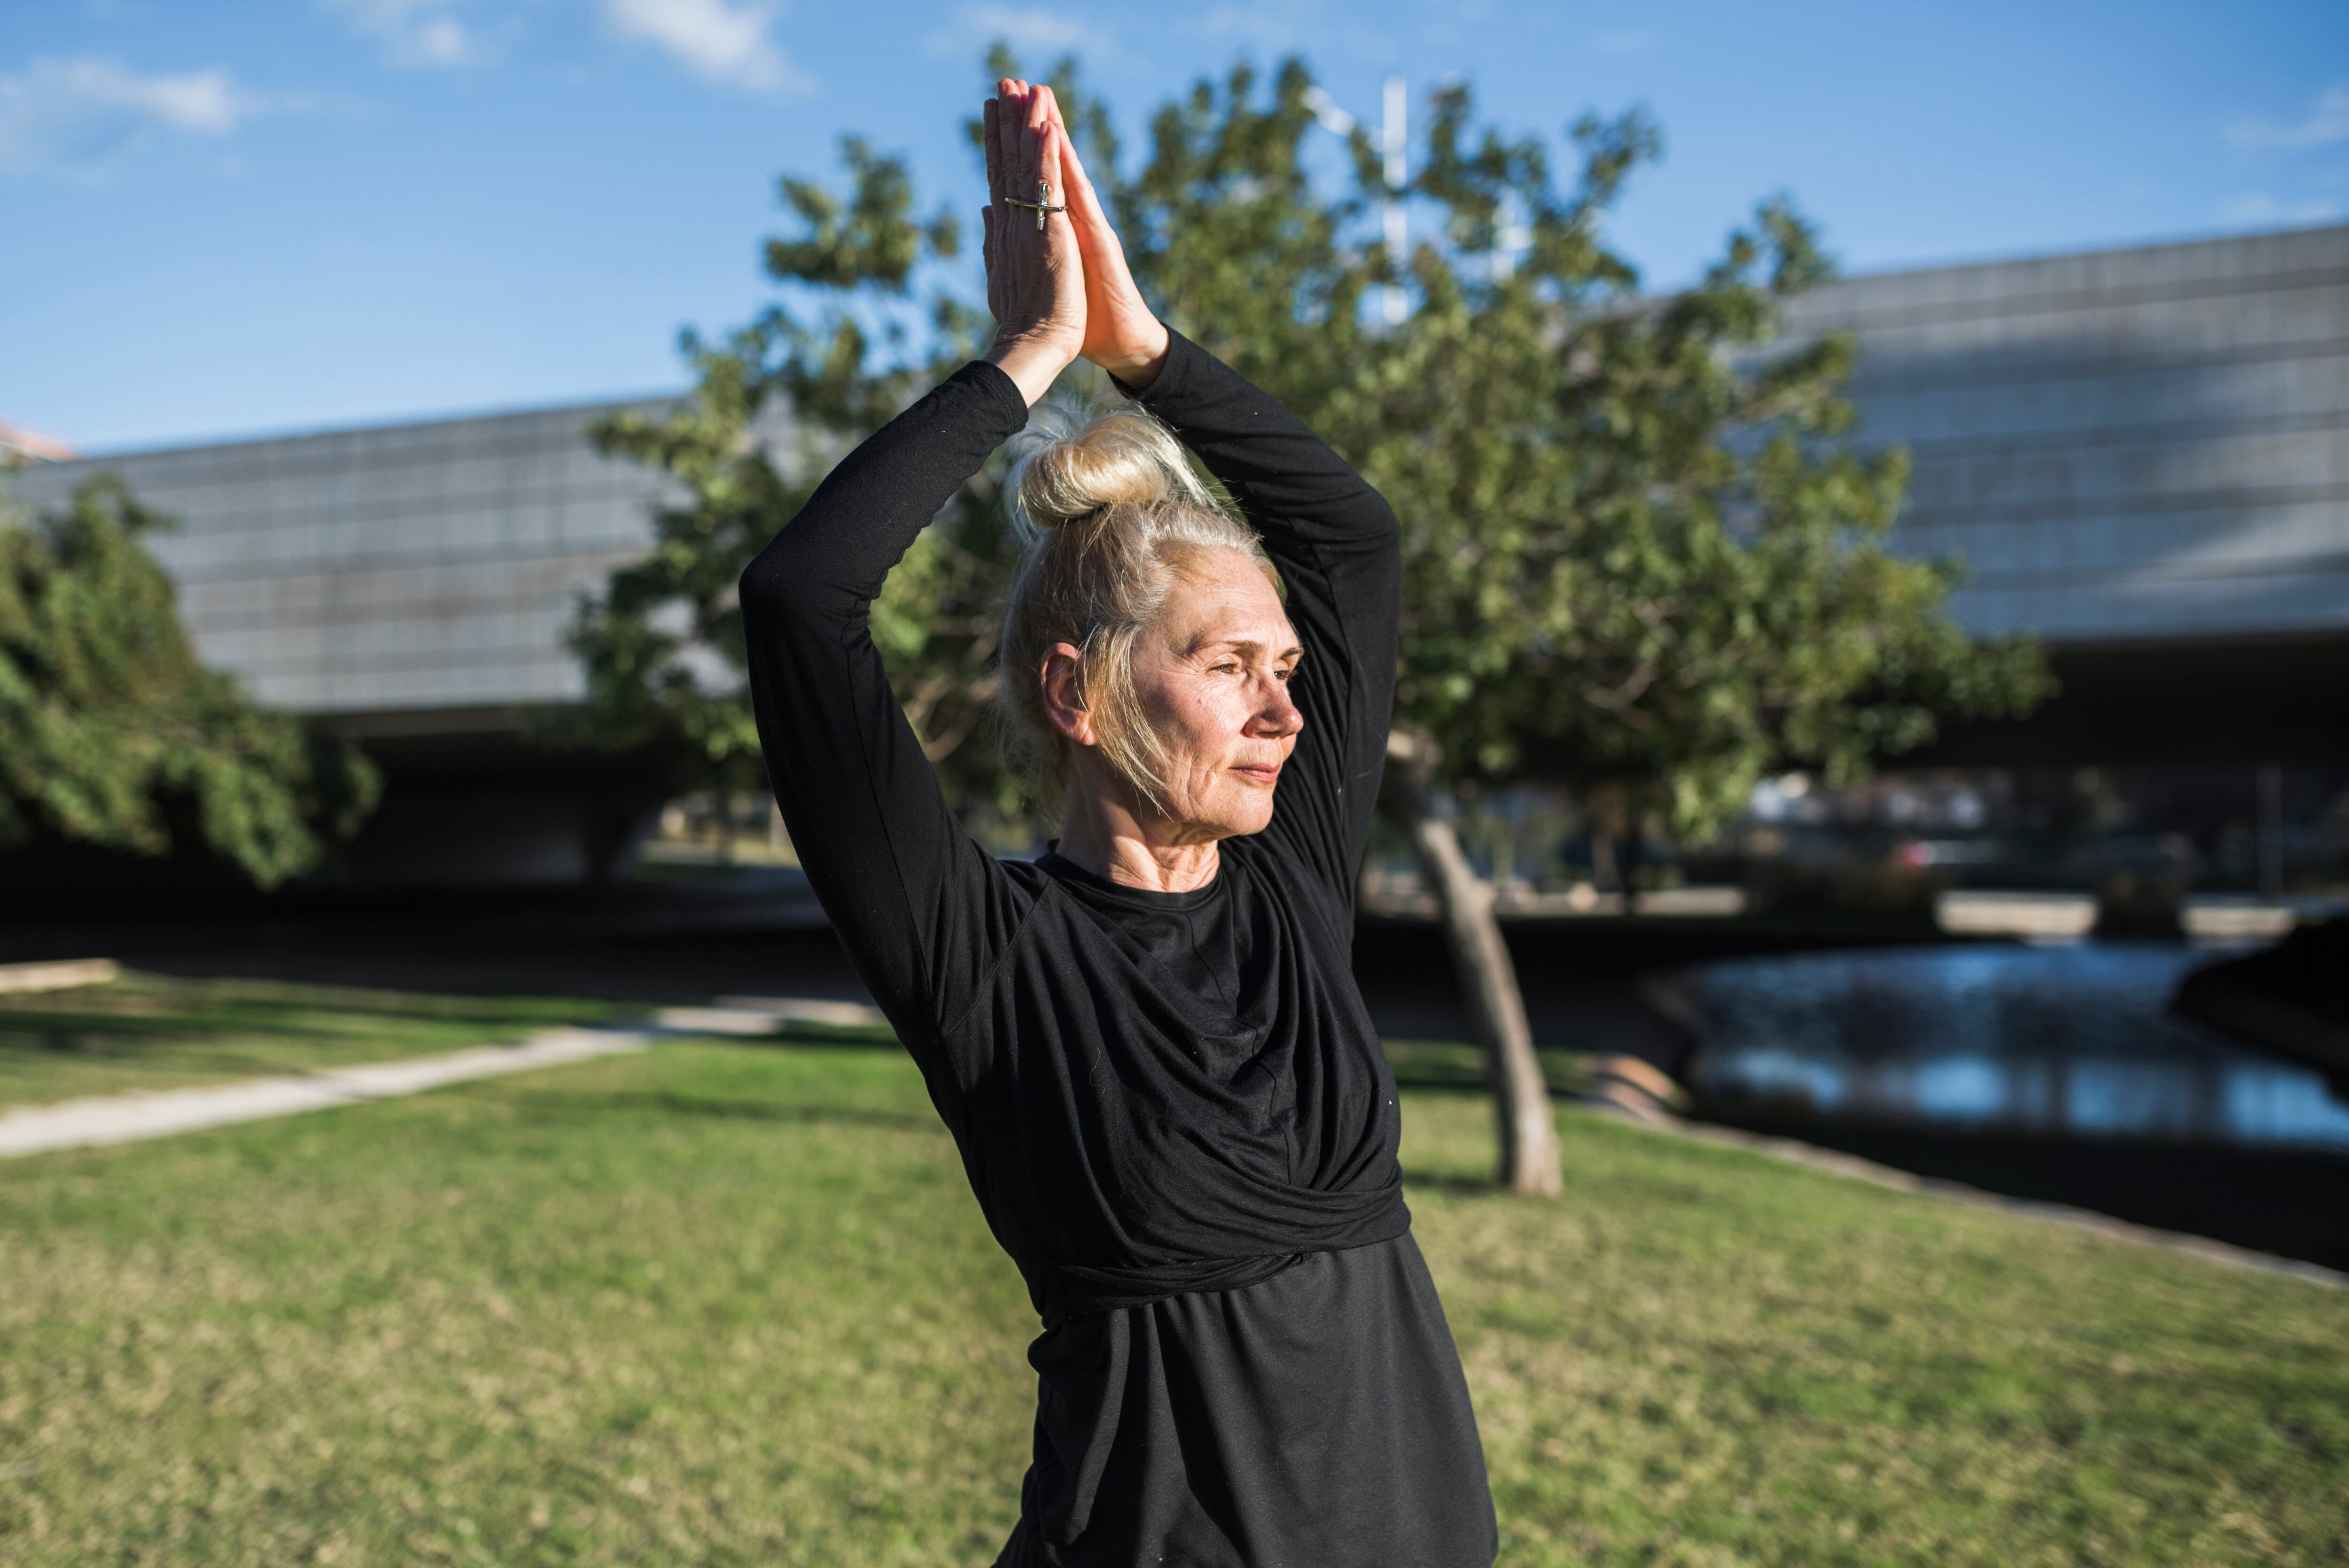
(873,832)
(1288,480)
(833,556)
(1135,362)
(1336,542)
(1032,364)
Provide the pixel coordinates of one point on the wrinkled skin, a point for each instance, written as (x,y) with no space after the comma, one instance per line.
(1212,675)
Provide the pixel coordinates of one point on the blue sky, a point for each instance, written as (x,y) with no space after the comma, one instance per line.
(224,219)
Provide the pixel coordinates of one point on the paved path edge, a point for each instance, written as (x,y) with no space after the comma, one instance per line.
(159,1113)
(133,1118)
(101,1120)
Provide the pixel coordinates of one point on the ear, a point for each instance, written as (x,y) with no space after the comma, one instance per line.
(1064,698)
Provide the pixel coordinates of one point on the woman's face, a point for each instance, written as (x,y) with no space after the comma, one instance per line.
(1212,676)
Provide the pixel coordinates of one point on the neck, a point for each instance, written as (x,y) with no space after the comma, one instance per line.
(1103,834)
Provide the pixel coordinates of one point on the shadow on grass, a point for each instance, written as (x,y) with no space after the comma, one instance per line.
(226,1064)
(1451,1186)
(1440,1083)
(557,1105)
(1456,1067)
(141,1021)
(827,1037)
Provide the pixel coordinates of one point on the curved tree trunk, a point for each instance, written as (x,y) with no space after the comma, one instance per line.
(1488,979)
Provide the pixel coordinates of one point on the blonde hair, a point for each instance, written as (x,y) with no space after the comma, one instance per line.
(1110,512)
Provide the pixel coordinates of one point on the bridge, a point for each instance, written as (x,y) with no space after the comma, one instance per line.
(2142,455)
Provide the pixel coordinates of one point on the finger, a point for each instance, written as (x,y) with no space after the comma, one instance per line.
(1029,158)
(1071,171)
(1074,194)
(987,228)
(988,136)
(1008,122)
(1097,239)
(1047,165)
(1082,203)
(1064,149)
(1050,151)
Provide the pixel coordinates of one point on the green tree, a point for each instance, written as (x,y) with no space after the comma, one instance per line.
(1635,535)
(662,646)
(1638,536)
(113,734)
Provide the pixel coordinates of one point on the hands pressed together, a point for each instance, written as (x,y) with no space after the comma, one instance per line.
(1060,290)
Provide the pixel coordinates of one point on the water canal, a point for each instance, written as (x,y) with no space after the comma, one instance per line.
(2050,1072)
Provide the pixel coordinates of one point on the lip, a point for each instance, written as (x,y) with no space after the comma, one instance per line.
(1258,772)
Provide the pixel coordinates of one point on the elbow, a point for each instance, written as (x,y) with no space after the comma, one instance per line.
(773,584)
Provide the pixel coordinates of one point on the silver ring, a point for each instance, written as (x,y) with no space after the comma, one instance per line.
(1041,205)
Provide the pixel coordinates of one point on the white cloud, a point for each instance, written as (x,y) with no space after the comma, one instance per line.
(722,43)
(71,116)
(2257,208)
(1272,26)
(418,32)
(2327,123)
(1031,29)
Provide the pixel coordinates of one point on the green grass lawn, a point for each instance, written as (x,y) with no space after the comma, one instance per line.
(150,1031)
(734,1305)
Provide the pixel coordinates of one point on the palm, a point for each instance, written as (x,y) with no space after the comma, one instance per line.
(1034,282)
(1121,330)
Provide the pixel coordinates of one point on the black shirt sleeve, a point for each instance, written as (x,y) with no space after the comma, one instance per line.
(921,909)
(1340,553)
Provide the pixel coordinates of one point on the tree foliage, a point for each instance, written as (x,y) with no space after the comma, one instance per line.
(775,403)
(1641,548)
(113,734)
(1635,541)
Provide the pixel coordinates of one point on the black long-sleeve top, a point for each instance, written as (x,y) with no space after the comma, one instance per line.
(1171,1107)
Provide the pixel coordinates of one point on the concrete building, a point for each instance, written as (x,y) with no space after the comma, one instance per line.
(2142,454)
(2143,457)
(409,586)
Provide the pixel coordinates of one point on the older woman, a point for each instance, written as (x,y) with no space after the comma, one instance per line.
(1148,1044)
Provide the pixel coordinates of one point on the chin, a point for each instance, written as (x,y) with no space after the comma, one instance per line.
(1243,817)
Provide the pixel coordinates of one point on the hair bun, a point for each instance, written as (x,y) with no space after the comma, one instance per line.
(1070,467)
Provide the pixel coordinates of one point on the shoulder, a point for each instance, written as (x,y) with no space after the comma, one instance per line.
(1272,863)
(1027,883)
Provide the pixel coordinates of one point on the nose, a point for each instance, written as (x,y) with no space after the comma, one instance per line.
(1277,718)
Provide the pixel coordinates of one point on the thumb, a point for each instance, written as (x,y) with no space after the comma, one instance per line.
(1094,231)
(1072,175)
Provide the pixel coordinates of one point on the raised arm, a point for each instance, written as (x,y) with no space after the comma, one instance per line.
(1336,542)
(1334,537)
(906,890)
(919,907)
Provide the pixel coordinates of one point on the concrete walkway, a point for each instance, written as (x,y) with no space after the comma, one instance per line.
(129,1117)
